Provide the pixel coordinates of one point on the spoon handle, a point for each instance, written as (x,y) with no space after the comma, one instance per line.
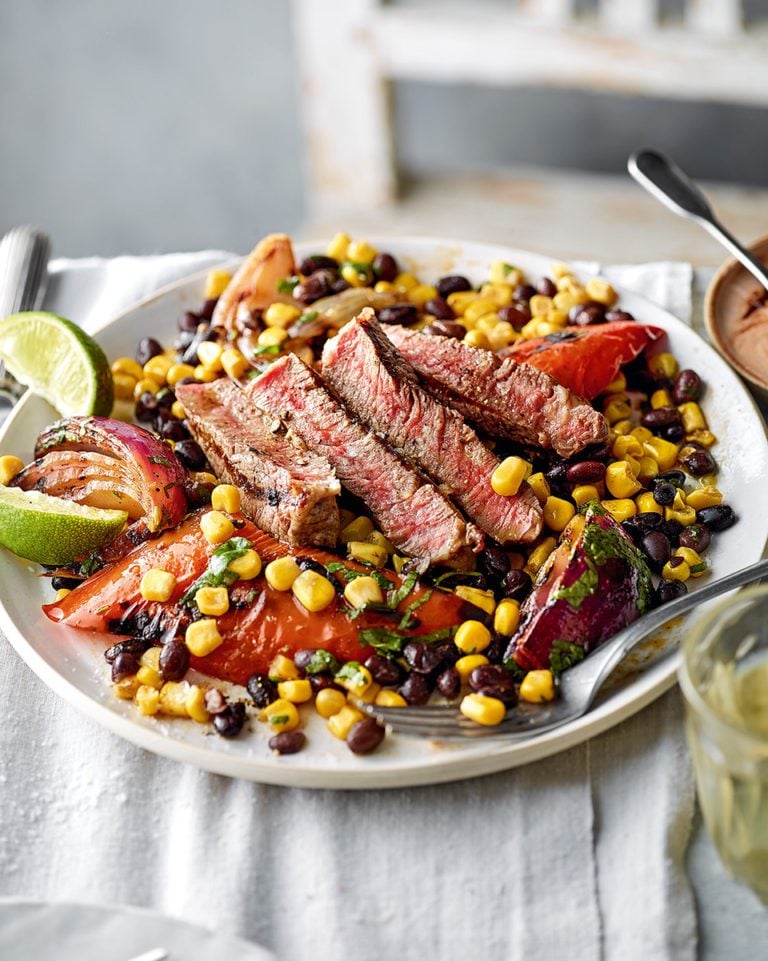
(664,180)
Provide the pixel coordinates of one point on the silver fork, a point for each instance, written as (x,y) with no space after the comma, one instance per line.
(578,686)
(24,253)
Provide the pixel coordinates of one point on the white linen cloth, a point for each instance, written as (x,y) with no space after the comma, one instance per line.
(579,856)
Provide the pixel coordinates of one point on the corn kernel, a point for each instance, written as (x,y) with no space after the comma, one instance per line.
(376,537)
(202,637)
(177,409)
(704,437)
(509,475)
(354,677)
(399,563)
(460,300)
(281,315)
(157,585)
(156,368)
(194,704)
(329,701)
(564,300)
(704,497)
(501,335)
(204,477)
(340,724)
(338,247)
(150,677)
(482,709)
(365,553)
(474,595)
(296,691)
(558,513)
(539,555)
(647,505)
(272,337)
(618,385)
(676,569)
(478,307)
(368,696)
(621,480)
(125,689)
(499,292)
(147,700)
(61,594)
(601,291)
(173,698)
(406,281)
(225,497)
(664,452)
(234,364)
(661,398)
(282,668)
(357,530)
(361,252)
(127,365)
(178,372)
(540,305)
(124,386)
(472,637)
(538,687)
(205,374)
(212,601)
(507,617)
(313,591)
(384,287)
(571,286)
(486,323)
(363,591)
(151,658)
(216,527)
(626,444)
(684,515)
(216,283)
(696,564)
(502,272)
(540,487)
(641,434)
(209,354)
(646,470)
(247,566)
(621,427)
(584,493)
(421,293)
(692,417)
(145,386)
(477,339)
(281,573)
(662,365)
(389,698)
(10,466)
(280,715)
(620,509)
(465,665)
(617,410)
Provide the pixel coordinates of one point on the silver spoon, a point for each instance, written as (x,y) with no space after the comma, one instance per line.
(664,180)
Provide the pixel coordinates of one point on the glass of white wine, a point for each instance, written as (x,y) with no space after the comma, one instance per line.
(724,677)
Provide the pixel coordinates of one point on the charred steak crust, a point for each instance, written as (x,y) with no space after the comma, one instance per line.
(410,511)
(382,388)
(287,489)
(502,397)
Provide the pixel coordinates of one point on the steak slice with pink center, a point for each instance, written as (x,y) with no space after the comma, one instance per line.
(501,397)
(410,511)
(287,490)
(366,370)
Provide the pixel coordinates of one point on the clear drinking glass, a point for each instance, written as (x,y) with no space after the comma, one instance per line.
(724,677)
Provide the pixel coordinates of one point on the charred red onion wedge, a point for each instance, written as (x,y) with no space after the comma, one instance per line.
(106,463)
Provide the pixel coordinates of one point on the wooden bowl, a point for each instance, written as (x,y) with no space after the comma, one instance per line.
(725,306)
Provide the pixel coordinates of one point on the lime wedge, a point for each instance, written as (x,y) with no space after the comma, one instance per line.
(50,530)
(58,361)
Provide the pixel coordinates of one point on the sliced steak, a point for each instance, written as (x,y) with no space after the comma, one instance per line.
(412,513)
(364,368)
(502,397)
(288,490)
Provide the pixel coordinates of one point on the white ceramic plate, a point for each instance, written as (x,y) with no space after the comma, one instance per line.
(71,662)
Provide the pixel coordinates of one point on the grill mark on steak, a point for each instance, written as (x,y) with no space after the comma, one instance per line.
(410,511)
(287,490)
(374,380)
(502,397)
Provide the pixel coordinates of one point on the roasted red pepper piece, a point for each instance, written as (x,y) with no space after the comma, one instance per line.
(585,359)
(271,623)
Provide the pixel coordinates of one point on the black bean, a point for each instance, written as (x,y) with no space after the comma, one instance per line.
(173,430)
(448,651)
(440,308)
(660,417)
(214,701)
(584,315)
(317,262)
(669,590)
(664,494)
(165,398)
(657,548)
(452,284)
(310,564)
(716,518)
(230,722)
(131,645)
(191,455)
(449,683)
(672,432)
(697,537)
(687,387)
(446,328)
(206,311)
(517,585)
(402,314)
(315,286)
(67,583)
(421,657)
(547,287)
(383,671)
(673,529)
(524,292)
(174,660)
(262,690)
(385,267)
(493,561)
(288,742)
(585,472)
(188,322)
(415,689)
(339,285)
(124,665)
(365,736)
(493,680)
(303,657)
(319,682)
(698,462)
(516,314)
(147,348)
(186,380)
(676,477)
(145,408)
(612,316)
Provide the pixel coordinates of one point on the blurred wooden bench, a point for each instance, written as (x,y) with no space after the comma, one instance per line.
(348,51)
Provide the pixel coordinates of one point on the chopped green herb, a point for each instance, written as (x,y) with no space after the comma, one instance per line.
(564,654)
(103,610)
(91,564)
(163,461)
(507,269)
(321,661)
(308,316)
(390,643)
(352,671)
(287,285)
(335,567)
(250,597)
(699,568)
(581,589)
(218,573)
(444,577)
(408,621)
(395,596)
(514,668)
(276,719)
(261,351)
